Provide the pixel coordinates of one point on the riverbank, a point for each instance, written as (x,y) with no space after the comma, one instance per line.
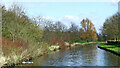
(17,60)
(89,42)
(51,49)
(113,48)
(88,55)
(76,43)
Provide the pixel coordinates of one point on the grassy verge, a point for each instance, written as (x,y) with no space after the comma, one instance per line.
(87,42)
(112,47)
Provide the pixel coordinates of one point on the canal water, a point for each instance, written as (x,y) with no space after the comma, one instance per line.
(88,55)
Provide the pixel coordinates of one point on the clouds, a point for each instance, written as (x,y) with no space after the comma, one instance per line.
(68,19)
(74,18)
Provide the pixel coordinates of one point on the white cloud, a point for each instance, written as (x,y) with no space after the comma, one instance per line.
(67,19)
(71,17)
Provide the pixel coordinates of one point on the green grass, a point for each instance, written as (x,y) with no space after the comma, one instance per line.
(113,47)
(80,42)
(84,42)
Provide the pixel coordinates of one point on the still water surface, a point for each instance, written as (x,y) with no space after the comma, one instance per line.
(89,55)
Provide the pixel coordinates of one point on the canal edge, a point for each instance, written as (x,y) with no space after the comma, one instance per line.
(118,54)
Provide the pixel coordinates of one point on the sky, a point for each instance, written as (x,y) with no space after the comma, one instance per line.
(68,12)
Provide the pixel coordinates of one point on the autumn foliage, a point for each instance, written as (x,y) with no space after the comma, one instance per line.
(88,31)
(11,44)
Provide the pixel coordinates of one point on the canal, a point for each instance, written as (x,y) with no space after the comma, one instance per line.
(88,55)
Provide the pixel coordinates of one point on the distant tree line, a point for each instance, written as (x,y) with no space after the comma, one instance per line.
(58,30)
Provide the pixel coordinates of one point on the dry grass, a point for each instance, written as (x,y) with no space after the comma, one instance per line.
(14,52)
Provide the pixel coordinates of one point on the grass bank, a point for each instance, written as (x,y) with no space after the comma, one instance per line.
(114,48)
(88,42)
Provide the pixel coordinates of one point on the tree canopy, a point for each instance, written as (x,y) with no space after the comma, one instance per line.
(88,31)
(111,28)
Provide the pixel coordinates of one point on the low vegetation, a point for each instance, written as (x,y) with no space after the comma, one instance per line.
(112,47)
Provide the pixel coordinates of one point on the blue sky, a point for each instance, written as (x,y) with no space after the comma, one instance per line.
(68,12)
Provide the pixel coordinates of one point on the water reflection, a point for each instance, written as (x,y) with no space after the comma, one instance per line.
(88,55)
